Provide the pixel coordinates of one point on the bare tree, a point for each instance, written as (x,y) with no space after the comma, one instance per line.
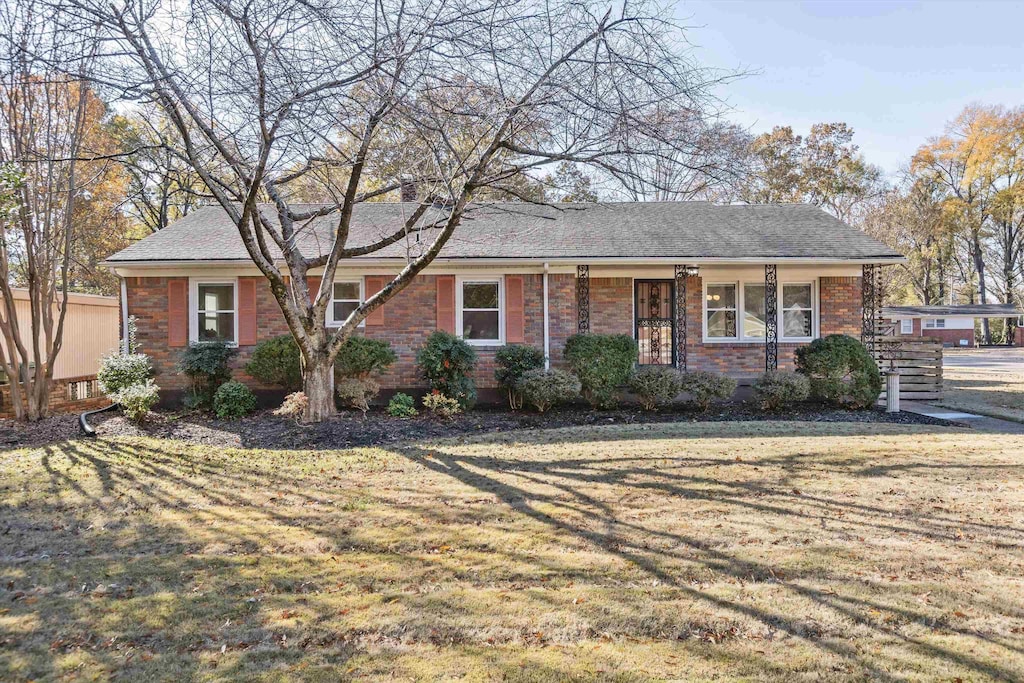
(162,185)
(47,119)
(277,91)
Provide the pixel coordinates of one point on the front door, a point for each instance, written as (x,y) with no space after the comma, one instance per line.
(654,310)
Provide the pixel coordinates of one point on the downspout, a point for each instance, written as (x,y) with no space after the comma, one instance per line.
(124,316)
(547,335)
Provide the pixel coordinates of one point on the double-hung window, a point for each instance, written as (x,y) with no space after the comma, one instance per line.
(721,311)
(797,311)
(479,303)
(215,312)
(736,311)
(907,326)
(935,323)
(346,296)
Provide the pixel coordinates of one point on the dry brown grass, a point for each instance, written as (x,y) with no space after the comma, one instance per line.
(996,393)
(751,551)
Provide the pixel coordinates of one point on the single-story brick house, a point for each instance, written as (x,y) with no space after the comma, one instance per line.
(954,324)
(732,289)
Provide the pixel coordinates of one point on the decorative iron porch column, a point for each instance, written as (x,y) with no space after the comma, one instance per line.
(771,317)
(870,294)
(583,299)
(679,329)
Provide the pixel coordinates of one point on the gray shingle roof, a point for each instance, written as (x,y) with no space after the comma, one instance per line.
(974,310)
(634,230)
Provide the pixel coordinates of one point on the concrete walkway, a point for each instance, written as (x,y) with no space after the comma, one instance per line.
(979,422)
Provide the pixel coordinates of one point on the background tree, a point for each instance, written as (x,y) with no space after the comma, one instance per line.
(258,91)
(162,186)
(569,184)
(825,169)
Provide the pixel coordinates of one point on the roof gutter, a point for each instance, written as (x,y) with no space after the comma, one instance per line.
(598,260)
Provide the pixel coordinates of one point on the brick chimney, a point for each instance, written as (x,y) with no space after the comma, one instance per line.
(408,188)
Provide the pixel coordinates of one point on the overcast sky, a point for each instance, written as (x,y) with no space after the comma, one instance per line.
(895,71)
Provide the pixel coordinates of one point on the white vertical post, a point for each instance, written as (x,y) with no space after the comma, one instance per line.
(892,390)
(547,333)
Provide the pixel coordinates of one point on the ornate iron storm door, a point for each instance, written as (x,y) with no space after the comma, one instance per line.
(654,326)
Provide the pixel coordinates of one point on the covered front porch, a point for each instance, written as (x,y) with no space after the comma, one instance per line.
(739,320)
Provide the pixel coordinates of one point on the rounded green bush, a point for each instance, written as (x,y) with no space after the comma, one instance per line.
(136,400)
(402,405)
(655,385)
(546,388)
(207,365)
(233,399)
(512,361)
(360,356)
(446,362)
(121,370)
(841,371)
(603,363)
(706,387)
(276,361)
(776,389)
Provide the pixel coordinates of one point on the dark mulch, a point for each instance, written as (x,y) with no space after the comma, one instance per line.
(264,430)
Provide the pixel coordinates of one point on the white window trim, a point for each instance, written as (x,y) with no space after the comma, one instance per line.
(739,338)
(907,322)
(330,321)
(461,280)
(933,324)
(193,305)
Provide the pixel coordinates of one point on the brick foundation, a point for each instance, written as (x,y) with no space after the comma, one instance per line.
(67,395)
(411,316)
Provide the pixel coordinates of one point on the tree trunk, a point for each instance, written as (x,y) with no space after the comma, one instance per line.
(979,266)
(317,383)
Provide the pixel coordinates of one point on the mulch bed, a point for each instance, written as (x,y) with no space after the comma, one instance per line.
(264,430)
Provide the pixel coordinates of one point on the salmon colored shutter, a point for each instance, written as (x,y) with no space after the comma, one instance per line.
(375,283)
(515,310)
(246,311)
(313,284)
(446,303)
(177,312)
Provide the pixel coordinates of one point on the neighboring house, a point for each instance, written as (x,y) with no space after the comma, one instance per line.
(91,330)
(757,281)
(954,325)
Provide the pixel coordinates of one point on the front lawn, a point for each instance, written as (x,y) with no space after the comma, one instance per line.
(996,393)
(679,551)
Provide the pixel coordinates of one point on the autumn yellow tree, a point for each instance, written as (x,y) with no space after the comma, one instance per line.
(977,163)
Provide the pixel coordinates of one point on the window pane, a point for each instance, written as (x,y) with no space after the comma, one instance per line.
(796,323)
(216,298)
(343,309)
(753,311)
(216,326)
(346,290)
(721,323)
(480,324)
(796,296)
(721,296)
(480,295)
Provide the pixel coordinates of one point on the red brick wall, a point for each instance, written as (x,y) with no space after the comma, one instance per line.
(951,337)
(410,317)
(611,305)
(840,302)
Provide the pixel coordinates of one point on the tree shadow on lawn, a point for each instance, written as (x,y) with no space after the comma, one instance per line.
(608,531)
(253,503)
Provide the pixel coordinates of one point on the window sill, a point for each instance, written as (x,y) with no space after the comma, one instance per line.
(493,343)
(756,342)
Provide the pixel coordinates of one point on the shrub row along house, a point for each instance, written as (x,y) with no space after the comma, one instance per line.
(733,289)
